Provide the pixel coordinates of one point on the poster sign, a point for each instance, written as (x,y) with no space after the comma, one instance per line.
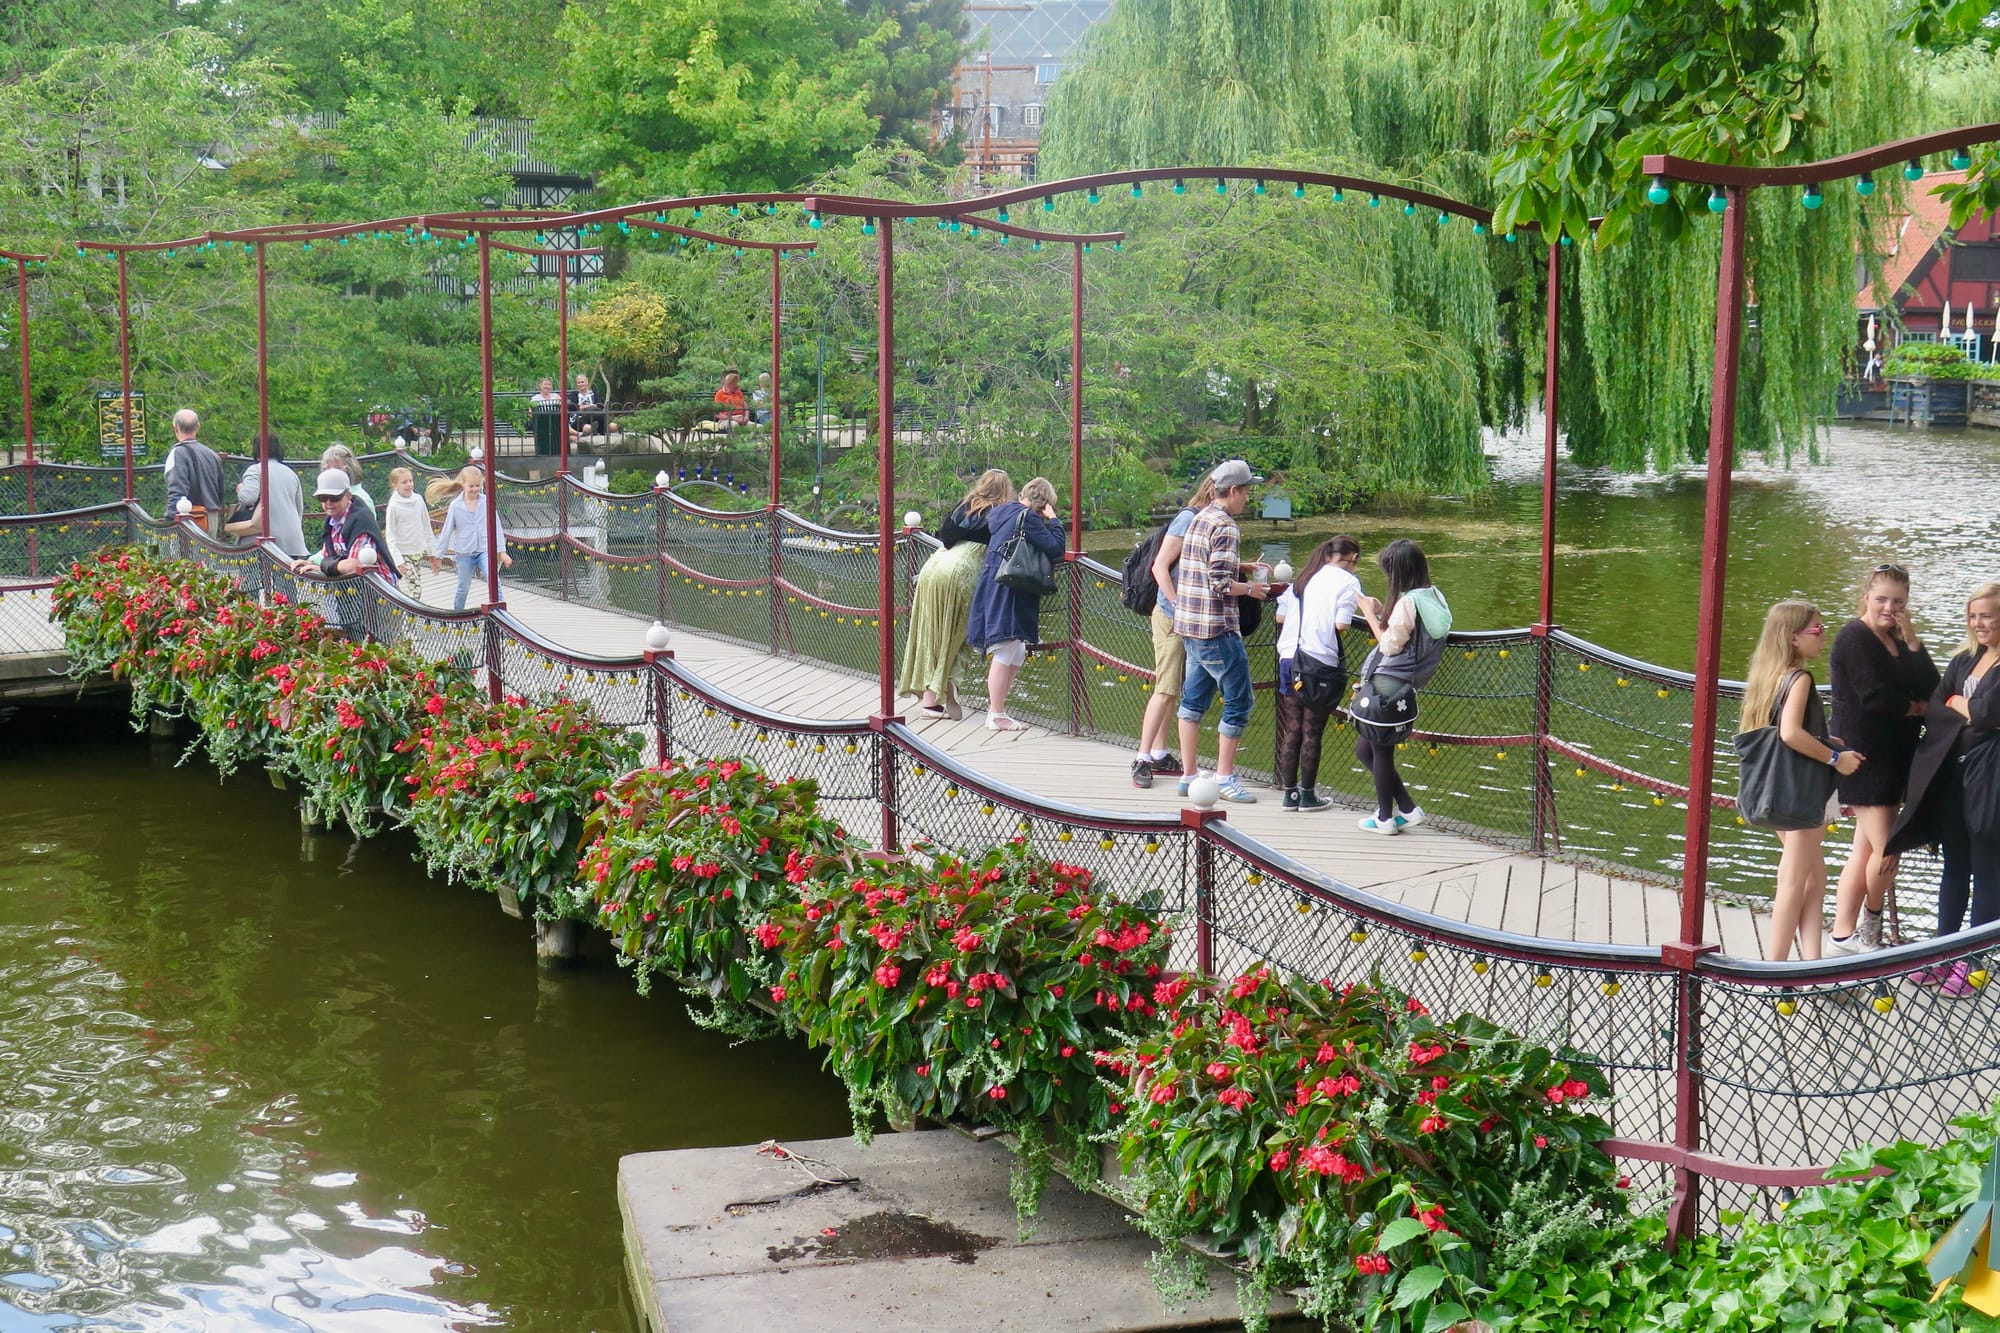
(111,425)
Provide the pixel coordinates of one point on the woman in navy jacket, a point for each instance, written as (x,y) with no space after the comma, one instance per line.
(1006,620)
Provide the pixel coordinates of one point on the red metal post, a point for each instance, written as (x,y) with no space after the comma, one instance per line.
(27,413)
(27,383)
(125,369)
(562,364)
(1076,489)
(487,416)
(885,528)
(1729,286)
(1076,400)
(263,406)
(1204,887)
(1551,366)
(1545,793)
(777,288)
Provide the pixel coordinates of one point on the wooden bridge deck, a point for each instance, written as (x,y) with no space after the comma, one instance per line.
(1426,868)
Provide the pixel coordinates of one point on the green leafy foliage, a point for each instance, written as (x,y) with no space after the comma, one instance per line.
(972,987)
(498,793)
(681,862)
(1344,1137)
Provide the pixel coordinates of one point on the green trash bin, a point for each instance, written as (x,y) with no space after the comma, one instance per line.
(548,429)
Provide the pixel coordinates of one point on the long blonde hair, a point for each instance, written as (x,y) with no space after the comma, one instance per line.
(994,487)
(1204,494)
(1041,491)
(1985,592)
(450,488)
(1774,657)
(1881,574)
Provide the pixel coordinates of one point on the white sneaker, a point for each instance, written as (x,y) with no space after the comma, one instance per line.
(1410,820)
(1869,931)
(1845,948)
(1370,824)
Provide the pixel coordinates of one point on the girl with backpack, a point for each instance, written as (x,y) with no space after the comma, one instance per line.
(1409,644)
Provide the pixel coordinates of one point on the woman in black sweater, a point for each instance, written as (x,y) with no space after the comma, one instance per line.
(1881,678)
(1964,714)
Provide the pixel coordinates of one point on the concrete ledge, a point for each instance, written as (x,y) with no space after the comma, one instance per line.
(925,1238)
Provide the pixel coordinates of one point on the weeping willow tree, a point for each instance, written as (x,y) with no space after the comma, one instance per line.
(1415,91)
(1545,113)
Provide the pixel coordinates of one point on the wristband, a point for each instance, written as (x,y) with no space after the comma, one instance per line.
(1833,758)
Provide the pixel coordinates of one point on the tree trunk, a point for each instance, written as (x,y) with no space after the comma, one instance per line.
(1253,417)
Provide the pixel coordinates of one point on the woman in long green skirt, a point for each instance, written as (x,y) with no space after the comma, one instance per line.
(942,603)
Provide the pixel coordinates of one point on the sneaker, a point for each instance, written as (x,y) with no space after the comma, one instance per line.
(1932,976)
(1167,766)
(1849,945)
(1370,824)
(1410,820)
(1291,800)
(1231,788)
(1187,779)
(1956,984)
(1870,930)
(1142,773)
(1310,799)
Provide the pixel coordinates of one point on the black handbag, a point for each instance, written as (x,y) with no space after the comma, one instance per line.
(1322,687)
(1386,706)
(1778,788)
(1979,771)
(1025,567)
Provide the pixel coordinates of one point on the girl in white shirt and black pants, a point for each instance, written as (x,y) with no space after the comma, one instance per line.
(1312,670)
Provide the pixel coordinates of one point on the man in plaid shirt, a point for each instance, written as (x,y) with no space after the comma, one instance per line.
(1206,585)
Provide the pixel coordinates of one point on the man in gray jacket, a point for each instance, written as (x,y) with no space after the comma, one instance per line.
(193,472)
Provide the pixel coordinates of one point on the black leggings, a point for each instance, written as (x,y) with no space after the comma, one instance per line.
(1301,729)
(1379,758)
(1971,870)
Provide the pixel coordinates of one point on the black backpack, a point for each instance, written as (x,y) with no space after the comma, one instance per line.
(1140,593)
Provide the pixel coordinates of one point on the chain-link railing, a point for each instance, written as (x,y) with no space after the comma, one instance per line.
(1783,1066)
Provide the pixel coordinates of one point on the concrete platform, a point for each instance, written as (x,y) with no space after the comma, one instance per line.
(923,1237)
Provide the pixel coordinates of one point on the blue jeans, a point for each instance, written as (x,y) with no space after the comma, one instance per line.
(470,567)
(1212,664)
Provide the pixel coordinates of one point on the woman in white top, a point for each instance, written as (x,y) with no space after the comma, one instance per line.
(463,536)
(1312,669)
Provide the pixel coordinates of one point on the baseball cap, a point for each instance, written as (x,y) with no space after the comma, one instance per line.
(1235,472)
(332,482)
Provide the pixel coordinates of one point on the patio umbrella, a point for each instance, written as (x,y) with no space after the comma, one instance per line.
(1946,326)
(1969,306)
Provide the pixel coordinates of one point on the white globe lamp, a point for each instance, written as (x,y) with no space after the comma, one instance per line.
(658,636)
(913,519)
(367,558)
(186,506)
(1282,572)
(1204,792)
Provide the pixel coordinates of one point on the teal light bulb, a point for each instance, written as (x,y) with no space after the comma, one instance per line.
(1180,187)
(1812,197)
(1915,170)
(1718,202)
(1657,192)
(1409,210)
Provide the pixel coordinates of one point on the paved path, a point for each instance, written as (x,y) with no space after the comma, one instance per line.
(1427,868)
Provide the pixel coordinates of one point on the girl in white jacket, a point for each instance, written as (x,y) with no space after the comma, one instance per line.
(406,527)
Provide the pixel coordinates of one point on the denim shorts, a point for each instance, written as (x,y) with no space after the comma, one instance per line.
(1217,664)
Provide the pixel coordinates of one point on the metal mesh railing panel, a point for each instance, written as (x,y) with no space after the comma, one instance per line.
(937,802)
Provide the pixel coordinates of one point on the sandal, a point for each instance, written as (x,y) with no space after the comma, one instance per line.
(1001,722)
(931,710)
(952,710)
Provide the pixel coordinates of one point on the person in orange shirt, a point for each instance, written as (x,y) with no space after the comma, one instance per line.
(732,409)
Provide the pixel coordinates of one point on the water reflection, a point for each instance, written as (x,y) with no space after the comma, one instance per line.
(1628,547)
(246,1090)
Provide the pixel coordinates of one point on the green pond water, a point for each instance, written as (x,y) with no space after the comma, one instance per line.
(1628,549)
(257,1079)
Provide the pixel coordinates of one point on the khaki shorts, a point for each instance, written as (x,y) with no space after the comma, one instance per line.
(1169,657)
